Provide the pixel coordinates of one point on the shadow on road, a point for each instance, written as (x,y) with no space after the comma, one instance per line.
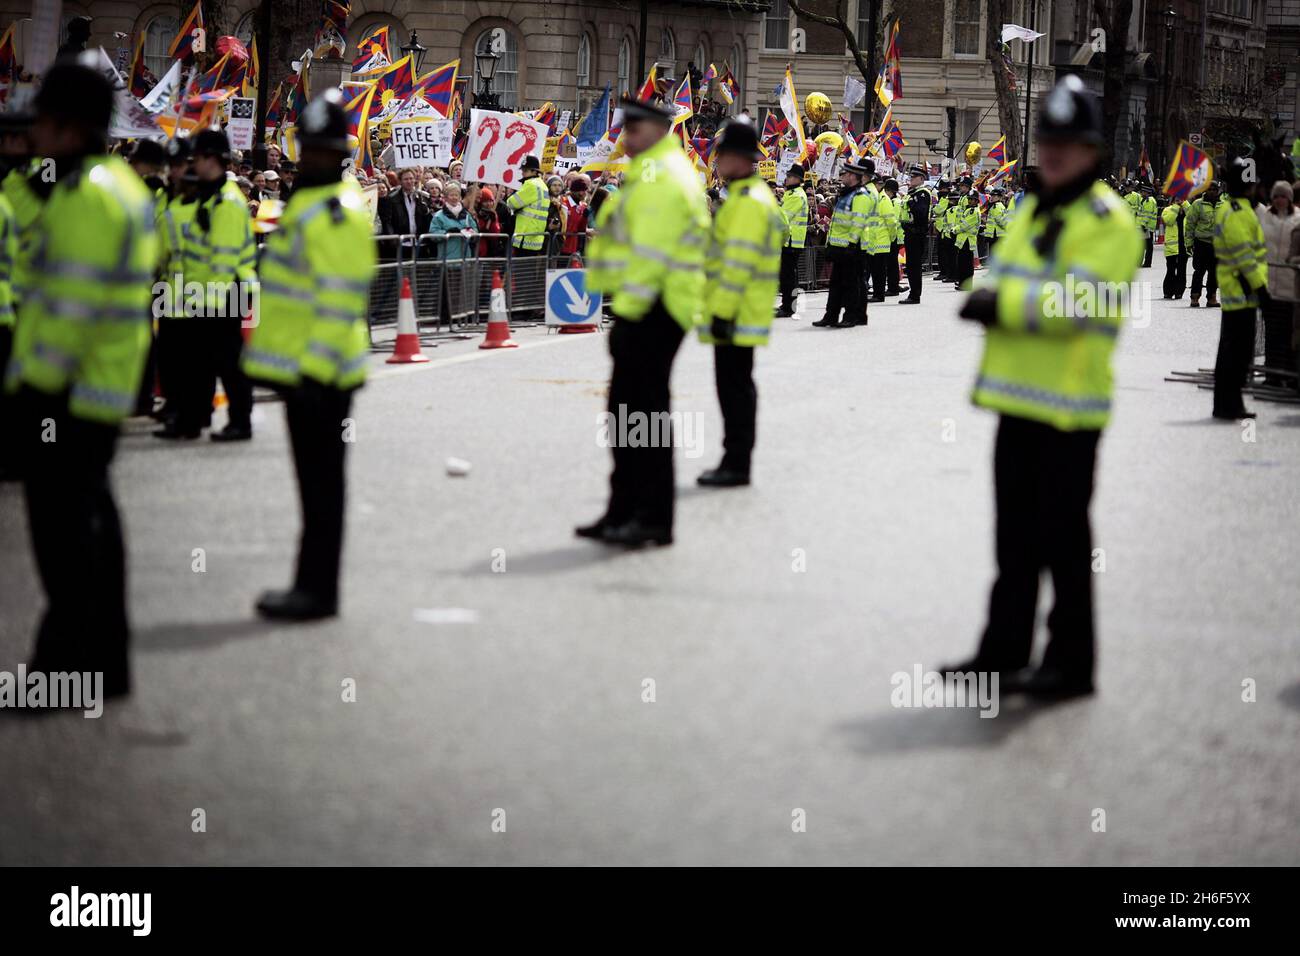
(552,561)
(198,635)
(907,729)
(1290,696)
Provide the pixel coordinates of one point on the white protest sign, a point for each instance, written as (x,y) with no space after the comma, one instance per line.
(825,165)
(421,142)
(498,143)
(565,163)
(243,117)
(563,123)
(130,119)
(788,159)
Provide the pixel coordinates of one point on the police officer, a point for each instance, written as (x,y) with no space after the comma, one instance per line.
(916,229)
(1242,271)
(943,240)
(173,348)
(1174,216)
(649,262)
(311,344)
(221,256)
(875,242)
(995,217)
(1147,218)
(794,209)
(1046,371)
(78,353)
(965,219)
(1200,222)
(844,249)
(531,207)
(748,234)
(891,212)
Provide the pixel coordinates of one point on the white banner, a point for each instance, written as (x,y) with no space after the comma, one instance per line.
(1012,32)
(564,120)
(421,142)
(243,117)
(130,119)
(825,165)
(160,97)
(854,92)
(788,159)
(498,143)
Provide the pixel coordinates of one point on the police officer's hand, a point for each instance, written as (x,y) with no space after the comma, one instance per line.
(1265,300)
(721,330)
(981,306)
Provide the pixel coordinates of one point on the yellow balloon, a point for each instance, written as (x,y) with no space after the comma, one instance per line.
(829,138)
(973,152)
(817,107)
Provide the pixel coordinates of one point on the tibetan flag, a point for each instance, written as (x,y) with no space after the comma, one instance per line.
(457,110)
(1144,166)
(438,86)
(997,153)
(297,93)
(139,80)
(251,69)
(773,127)
(1190,174)
(710,74)
(182,47)
(892,141)
(458,143)
(547,114)
(1000,174)
(393,86)
(357,111)
(728,88)
(372,51)
(682,107)
(274,106)
(650,87)
(703,147)
(221,76)
(333,27)
(789,101)
(889,85)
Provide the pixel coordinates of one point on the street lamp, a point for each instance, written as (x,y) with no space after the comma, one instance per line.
(1170,17)
(486,62)
(415,51)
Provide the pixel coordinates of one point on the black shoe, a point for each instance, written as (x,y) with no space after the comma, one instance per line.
(595,530)
(1195,303)
(635,533)
(826,322)
(172,433)
(785,313)
(1050,683)
(1234,416)
(231,433)
(876,299)
(295,606)
(723,478)
(909,301)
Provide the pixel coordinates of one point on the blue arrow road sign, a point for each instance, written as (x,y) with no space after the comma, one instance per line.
(567,299)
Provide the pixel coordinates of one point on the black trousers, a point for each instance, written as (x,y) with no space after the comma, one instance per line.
(225,341)
(891,270)
(733,373)
(76,539)
(641,484)
(1231,365)
(963,263)
(191,379)
(879,262)
(1204,263)
(1043,482)
(844,290)
(947,257)
(1149,247)
(1175,275)
(315,414)
(1278,326)
(915,246)
(789,276)
(170,360)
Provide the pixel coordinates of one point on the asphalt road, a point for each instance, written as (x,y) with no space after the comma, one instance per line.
(516,692)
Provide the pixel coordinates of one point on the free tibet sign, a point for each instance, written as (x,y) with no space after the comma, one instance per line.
(567,300)
(421,142)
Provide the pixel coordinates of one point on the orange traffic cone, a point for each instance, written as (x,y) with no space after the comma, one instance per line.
(575,262)
(498,327)
(407,347)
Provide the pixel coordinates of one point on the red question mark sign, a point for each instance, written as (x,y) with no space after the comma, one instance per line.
(494,128)
(530,139)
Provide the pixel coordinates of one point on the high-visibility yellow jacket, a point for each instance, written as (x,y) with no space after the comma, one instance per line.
(995,220)
(223,254)
(173,218)
(531,205)
(876,235)
(8,251)
(1146,214)
(315,279)
(1169,216)
(1047,356)
(1134,200)
(939,215)
(83,323)
(26,204)
(1200,219)
(849,217)
(653,248)
(602,274)
(744,262)
(1241,259)
(891,212)
(966,222)
(794,209)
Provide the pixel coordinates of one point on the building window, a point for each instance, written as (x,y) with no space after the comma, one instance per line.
(864,25)
(624,66)
(966,27)
(667,51)
(701,58)
(776,26)
(505,84)
(244,31)
(158,37)
(584,61)
(738,71)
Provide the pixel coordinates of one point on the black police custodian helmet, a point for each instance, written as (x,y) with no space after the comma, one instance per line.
(323,124)
(1234,176)
(795,172)
(651,109)
(1071,114)
(149,152)
(178,150)
(210,142)
(739,137)
(531,162)
(76,95)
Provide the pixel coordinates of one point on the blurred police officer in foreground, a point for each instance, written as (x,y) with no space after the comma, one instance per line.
(1242,271)
(794,209)
(311,343)
(744,256)
(648,261)
(78,354)
(1046,371)
(916,230)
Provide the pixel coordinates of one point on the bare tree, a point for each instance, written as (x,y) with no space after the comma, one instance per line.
(1008,109)
(1114,16)
(865,60)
